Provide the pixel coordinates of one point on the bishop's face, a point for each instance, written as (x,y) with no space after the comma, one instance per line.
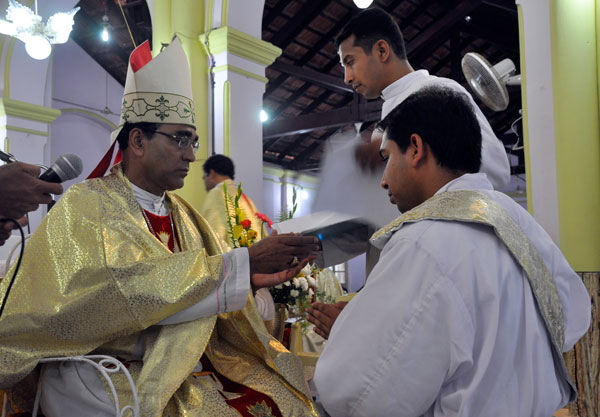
(164,163)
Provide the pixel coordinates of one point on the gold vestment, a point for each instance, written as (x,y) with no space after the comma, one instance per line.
(95,280)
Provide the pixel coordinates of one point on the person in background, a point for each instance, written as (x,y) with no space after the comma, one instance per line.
(219,173)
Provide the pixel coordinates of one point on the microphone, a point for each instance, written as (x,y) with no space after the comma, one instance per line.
(65,168)
(6,157)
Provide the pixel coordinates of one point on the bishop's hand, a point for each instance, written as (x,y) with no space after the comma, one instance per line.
(281,254)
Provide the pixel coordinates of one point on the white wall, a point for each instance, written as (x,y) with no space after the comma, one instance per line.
(82,89)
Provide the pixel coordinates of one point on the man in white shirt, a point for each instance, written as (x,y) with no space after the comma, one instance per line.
(373,54)
(471,304)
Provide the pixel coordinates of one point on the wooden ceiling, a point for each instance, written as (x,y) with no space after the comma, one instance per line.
(305,97)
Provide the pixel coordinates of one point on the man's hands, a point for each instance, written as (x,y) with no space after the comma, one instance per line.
(21,191)
(270,280)
(367,155)
(323,316)
(276,253)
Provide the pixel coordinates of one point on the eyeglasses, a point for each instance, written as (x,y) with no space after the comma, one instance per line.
(183,141)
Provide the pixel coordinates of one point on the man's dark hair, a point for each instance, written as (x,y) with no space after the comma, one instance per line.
(368,27)
(445,120)
(123,136)
(221,164)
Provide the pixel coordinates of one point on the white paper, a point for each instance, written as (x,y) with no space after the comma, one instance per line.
(346,188)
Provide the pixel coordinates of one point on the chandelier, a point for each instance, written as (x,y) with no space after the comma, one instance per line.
(27,26)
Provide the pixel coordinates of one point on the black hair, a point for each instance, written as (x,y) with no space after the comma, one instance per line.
(368,27)
(221,164)
(123,136)
(445,120)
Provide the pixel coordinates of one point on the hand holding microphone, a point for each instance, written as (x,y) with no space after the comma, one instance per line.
(21,191)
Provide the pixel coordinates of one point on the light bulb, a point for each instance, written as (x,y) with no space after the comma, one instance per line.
(105,36)
(363,4)
(263,116)
(38,47)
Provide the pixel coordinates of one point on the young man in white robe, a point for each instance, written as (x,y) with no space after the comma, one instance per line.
(471,305)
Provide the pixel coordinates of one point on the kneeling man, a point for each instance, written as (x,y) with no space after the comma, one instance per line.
(471,305)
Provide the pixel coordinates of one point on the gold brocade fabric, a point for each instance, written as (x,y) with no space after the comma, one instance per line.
(95,280)
(474,207)
(215,212)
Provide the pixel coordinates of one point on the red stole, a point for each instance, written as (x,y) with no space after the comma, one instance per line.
(162,227)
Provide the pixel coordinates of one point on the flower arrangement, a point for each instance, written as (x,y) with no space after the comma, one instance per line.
(299,293)
(239,225)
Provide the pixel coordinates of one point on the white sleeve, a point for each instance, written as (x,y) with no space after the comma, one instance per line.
(397,341)
(231,293)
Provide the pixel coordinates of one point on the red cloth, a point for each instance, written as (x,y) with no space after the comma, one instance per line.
(248,398)
(140,56)
(162,229)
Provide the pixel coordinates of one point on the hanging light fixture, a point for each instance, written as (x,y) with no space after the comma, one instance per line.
(363,4)
(27,26)
(105,35)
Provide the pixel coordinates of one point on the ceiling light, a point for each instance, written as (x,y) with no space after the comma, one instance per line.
(263,116)
(27,26)
(363,4)
(105,36)
(38,47)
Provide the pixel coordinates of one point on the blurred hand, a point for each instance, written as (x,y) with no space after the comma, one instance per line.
(279,253)
(270,280)
(367,155)
(6,228)
(323,316)
(21,191)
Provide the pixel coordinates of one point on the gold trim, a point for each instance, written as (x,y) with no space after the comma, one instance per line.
(24,130)
(23,110)
(228,39)
(91,114)
(240,71)
(227,118)
(6,144)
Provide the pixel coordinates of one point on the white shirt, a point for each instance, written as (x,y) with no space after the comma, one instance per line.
(494,162)
(447,325)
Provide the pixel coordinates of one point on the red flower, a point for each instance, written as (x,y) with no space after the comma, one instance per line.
(263,218)
(246,224)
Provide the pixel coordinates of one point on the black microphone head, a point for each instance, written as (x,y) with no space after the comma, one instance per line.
(67,167)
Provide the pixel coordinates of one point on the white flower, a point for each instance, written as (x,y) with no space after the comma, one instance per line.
(286,283)
(278,287)
(296,282)
(306,271)
(311,281)
(294,293)
(310,292)
(303,283)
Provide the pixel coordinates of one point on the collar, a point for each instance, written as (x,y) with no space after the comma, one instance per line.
(155,204)
(472,182)
(402,83)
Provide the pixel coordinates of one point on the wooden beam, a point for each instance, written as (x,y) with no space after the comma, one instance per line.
(315,77)
(367,112)
(430,36)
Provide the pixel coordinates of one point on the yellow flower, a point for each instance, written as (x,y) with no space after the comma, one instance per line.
(243,241)
(252,234)
(237,231)
(240,214)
